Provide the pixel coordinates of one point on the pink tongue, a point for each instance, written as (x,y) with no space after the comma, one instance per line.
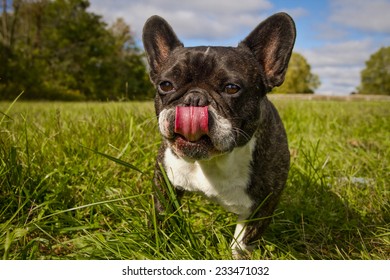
(192,122)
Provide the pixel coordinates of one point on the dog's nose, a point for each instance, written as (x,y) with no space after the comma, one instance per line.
(197,98)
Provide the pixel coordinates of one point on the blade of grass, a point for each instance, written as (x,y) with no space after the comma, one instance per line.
(92,204)
(180,220)
(5,114)
(116,160)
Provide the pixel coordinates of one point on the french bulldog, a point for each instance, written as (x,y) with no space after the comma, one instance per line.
(221,136)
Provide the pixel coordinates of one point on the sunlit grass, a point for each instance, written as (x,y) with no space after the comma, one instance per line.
(70,186)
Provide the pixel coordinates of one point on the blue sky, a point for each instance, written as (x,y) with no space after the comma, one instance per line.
(335,36)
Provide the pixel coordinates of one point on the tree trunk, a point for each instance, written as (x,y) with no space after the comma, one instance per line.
(4,37)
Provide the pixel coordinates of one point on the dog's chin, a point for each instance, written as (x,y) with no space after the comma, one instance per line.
(201,149)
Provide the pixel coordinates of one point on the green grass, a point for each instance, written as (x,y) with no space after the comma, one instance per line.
(62,197)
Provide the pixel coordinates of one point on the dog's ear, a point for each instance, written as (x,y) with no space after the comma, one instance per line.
(272,42)
(159,41)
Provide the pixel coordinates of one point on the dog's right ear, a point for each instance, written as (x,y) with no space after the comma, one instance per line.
(159,41)
(272,42)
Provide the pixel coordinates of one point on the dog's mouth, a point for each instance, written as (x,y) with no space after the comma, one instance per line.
(196,132)
(202,148)
(202,141)
(192,122)
(191,138)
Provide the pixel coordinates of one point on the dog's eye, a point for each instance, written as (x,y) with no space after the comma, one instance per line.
(166,86)
(232,88)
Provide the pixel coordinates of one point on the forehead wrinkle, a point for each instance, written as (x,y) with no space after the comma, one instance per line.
(198,64)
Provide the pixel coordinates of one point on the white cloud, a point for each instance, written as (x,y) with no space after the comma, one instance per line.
(204,19)
(339,80)
(369,16)
(346,53)
(328,32)
(339,64)
(296,12)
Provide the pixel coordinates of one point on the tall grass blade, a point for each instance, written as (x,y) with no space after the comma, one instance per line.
(5,114)
(116,160)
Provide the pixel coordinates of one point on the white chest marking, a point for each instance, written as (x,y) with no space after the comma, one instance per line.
(223,178)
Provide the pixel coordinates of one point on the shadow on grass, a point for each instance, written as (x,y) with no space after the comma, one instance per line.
(325,218)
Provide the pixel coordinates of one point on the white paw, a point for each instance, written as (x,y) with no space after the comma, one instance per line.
(241,251)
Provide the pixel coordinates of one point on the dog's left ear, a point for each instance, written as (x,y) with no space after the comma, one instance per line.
(272,42)
(159,41)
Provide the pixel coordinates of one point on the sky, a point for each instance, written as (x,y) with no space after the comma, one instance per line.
(335,36)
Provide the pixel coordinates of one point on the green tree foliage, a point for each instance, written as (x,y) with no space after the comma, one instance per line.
(375,78)
(299,78)
(58,50)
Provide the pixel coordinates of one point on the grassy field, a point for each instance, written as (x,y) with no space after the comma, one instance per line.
(61,199)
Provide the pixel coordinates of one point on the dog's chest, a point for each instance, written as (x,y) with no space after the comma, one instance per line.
(224,178)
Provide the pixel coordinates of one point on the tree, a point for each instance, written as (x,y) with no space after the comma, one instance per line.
(375,78)
(56,49)
(299,78)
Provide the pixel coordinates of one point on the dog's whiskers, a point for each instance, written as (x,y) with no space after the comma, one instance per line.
(241,132)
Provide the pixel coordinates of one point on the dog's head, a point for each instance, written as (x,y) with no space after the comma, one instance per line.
(208,98)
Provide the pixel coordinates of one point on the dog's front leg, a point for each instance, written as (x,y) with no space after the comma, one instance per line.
(249,229)
(239,248)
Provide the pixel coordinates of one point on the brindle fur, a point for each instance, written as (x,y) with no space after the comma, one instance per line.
(259,63)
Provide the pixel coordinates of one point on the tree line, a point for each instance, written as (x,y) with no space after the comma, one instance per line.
(375,77)
(58,50)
